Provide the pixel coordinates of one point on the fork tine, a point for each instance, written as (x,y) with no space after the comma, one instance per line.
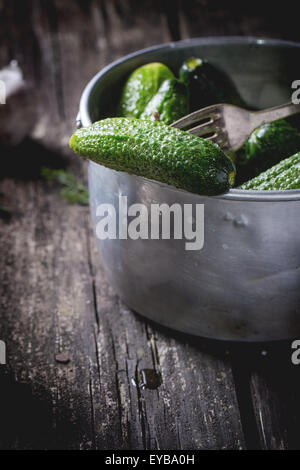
(190,119)
(212,138)
(205,128)
(219,139)
(210,112)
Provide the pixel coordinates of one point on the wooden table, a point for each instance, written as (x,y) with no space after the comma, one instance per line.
(55,297)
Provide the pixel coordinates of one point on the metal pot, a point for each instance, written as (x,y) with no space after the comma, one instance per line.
(245,282)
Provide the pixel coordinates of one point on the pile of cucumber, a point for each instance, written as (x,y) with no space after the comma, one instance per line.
(263,163)
(141,141)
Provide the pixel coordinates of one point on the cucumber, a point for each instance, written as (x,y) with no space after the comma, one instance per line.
(142,84)
(265,147)
(169,104)
(156,151)
(285,175)
(207,84)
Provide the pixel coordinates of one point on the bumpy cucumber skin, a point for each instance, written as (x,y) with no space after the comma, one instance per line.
(140,87)
(171,102)
(266,146)
(285,175)
(156,151)
(207,84)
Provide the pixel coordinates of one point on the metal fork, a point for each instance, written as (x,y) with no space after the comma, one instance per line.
(230,126)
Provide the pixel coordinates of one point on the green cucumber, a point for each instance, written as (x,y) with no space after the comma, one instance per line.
(265,147)
(285,175)
(156,151)
(140,87)
(169,104)
(207,84)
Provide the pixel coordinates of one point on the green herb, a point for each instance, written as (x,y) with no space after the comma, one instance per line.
(73,191)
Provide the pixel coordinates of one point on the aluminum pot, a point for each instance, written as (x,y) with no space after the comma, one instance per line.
(245,282)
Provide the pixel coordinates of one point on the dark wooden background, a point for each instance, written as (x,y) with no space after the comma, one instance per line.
(54,295)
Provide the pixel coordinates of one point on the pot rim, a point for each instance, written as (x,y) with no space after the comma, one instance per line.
(233,194)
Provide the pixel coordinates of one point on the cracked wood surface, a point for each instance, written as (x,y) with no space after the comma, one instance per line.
(55,297)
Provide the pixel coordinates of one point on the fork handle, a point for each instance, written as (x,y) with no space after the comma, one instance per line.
(258,118)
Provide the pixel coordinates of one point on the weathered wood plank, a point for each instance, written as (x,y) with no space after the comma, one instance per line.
(199,18)
(47,311)
(275,387)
